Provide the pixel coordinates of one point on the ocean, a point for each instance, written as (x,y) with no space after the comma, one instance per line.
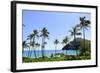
(48,53)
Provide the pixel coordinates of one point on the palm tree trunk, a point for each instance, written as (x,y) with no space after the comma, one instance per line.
(35,54)
(55,49)
(84,39)
(42,48)
(75,44)
(38,52)
(29,50)
(34,48)
(74,39)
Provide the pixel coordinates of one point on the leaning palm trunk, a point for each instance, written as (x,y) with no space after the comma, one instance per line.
(34,48)
(35,54)
(29,53)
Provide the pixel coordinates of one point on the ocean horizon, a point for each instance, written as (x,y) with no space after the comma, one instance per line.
(48,53)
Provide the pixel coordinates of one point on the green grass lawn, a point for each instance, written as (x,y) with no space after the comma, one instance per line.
(63,58)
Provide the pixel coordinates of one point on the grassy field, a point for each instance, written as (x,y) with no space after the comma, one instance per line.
(63,58)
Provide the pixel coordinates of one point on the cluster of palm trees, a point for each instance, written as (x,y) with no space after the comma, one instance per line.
(31,42)
(64,42)
(74,32)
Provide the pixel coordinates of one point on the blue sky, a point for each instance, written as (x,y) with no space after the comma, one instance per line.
(57,23)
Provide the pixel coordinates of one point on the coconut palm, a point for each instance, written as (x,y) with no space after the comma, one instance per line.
(65,41)
(37,45)
(44,35)
(84,24)
(30,40)
(56,43)
(45,43)
(35,35)
(25,45)
(33,48)
(75,32)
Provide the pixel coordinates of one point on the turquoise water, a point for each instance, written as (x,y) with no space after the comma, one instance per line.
(49,52)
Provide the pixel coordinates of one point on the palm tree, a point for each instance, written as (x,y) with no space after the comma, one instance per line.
(75,31)
(45,43)
(44,35)
(33,46)
(65,41)
(84,24)
(37,45)
(30,40)
(25,45)
(35,35)
(56,43)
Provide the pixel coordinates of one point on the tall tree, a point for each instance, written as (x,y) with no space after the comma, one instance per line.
(84,24)
(44,35)
(56,43)
(35,35)
(25,45)
(37,46)
(33,48)
(30,40)
(65,41)
(75,31)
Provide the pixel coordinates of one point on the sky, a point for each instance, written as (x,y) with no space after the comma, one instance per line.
(57,23)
